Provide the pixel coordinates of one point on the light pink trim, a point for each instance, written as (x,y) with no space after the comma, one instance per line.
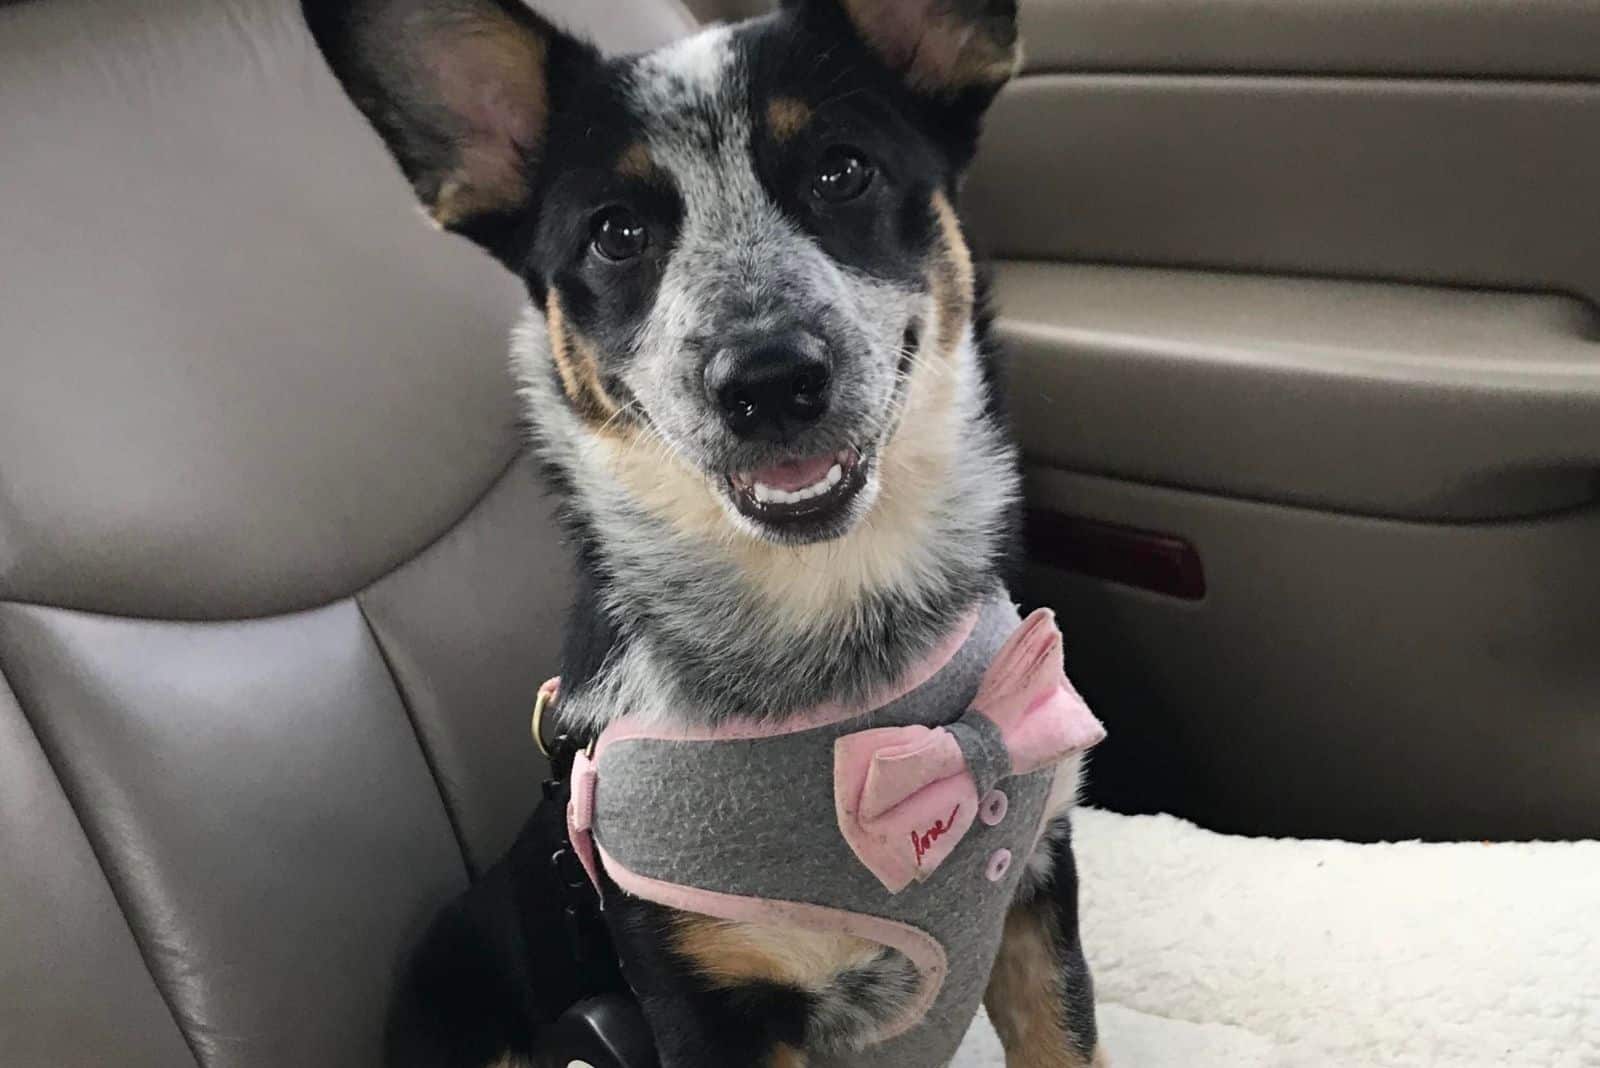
(580,816)
(992,811)
(628,728)
(921,948)
(999,864)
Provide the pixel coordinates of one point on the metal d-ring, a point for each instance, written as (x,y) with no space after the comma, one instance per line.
(542,702)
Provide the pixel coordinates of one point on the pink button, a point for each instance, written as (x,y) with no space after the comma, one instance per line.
(993,809)
(999,864)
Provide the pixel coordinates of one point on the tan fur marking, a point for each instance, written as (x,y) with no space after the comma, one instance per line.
(666,486)
(636,161)
(786,117)
(578,365)
(813,583)
(787,1057)
(461,198)
(733,954)
(937,51)
(490,170)
(1025,997)
(509,1061)
(953,277)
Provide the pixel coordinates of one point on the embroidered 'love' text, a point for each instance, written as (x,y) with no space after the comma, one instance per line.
(923,842)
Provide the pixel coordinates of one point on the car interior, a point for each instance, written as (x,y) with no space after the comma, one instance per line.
(1299,298)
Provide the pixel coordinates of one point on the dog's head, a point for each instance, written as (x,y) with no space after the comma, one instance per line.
(743,245)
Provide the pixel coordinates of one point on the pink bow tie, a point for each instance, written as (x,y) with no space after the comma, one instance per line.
(906,796)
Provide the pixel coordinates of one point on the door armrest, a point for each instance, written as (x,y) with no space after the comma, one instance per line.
(1367,398)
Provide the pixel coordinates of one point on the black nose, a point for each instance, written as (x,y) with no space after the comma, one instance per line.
(770,389)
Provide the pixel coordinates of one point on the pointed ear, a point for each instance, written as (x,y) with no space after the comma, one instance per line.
(459,90)
(940,47)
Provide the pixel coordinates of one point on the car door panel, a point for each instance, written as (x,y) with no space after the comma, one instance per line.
(1343,676)
(1372,399)
(1548,39)
(1468,183)
(1308,289)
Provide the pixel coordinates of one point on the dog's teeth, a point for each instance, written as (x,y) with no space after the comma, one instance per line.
(765,494)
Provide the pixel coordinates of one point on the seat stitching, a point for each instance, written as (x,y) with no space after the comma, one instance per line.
(97,850)
(510,469)
(428,757)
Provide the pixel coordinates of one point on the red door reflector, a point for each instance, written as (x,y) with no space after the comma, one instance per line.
(1161,563)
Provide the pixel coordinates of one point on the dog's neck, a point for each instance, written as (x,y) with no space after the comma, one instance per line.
(705,623)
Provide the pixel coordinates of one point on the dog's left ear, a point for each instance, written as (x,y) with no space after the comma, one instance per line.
(941,48)
(462,91)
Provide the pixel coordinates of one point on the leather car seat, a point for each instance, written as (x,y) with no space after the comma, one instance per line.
(276,583)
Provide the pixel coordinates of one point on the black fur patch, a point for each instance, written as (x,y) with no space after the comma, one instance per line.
(590,135)
(1060,894)
(696,1023)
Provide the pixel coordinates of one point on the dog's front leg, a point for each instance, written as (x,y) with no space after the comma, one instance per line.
(717,993)
(1040,996)
(495,968)
(687,1036)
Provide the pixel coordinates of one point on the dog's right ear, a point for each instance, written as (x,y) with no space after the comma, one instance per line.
(460,91)
(940,48)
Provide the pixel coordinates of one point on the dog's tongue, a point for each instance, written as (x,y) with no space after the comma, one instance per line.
(795,475)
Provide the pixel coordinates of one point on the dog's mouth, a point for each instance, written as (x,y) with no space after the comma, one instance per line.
(800,496)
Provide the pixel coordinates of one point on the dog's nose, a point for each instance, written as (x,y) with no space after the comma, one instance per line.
(769,389)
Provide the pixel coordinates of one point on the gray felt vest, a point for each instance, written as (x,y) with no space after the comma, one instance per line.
(756,818)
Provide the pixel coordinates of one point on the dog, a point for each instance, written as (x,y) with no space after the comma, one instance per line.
(757,366)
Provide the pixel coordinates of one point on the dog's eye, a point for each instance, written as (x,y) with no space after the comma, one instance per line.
(620,235)
(842,175)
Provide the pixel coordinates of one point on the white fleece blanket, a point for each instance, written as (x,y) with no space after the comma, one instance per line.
(1210,950)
